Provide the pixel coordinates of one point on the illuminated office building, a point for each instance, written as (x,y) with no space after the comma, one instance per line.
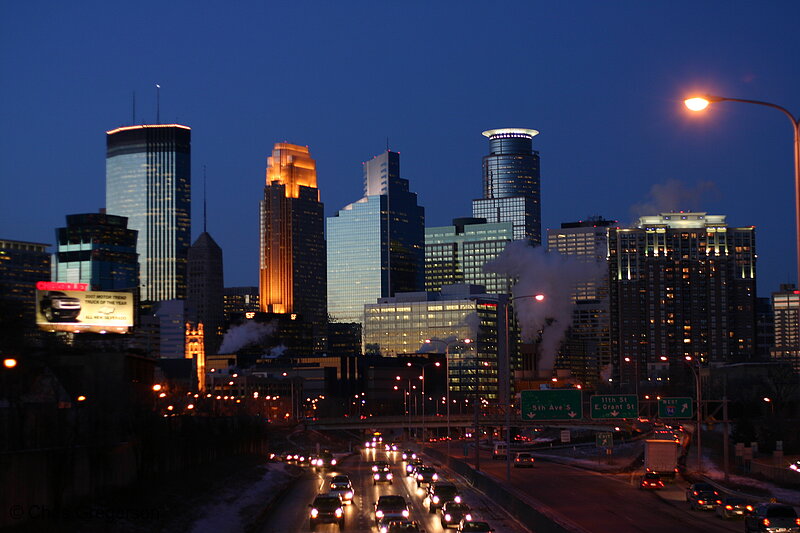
(238,301)
(511,183)
(375,245)
(292,259)
(148,180)
(22,264)
(97,249)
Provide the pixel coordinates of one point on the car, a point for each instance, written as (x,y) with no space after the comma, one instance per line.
(326,509)
(412,465)
(454,512)
(651,480)
(425,475)
(732,506)
(695,489)
(772,517)
(342,485)
(399,526)
(303,459)
(56,306)
(705,501)
(390,447)
(325,459)
(473,526)
(499,451)
(390,507)
(523,460)
(441,492)
(408,455)
(381,472)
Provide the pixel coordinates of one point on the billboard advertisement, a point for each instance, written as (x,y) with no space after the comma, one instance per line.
(70,307)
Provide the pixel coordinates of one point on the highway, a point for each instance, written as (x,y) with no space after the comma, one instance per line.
(291,513)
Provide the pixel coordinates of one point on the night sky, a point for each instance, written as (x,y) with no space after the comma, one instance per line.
(602,81)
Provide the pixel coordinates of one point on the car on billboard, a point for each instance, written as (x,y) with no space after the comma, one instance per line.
(57,306)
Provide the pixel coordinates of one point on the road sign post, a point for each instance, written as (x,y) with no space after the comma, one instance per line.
(675,408)
(614,406)
(557,404)
(604,439)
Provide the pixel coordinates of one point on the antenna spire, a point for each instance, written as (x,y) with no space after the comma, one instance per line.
(134,109)
(158,104)
(387,143)
(204,199)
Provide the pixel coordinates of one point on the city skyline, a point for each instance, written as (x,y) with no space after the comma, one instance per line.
(604,88)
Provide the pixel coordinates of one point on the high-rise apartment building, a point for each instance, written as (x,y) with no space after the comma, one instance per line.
(375,245)
(292,260)
(786,309)
(22,264)
(97,249)
(457,253)
(511,183)
(586,350)
(682,284)
(204,301)
(148,180)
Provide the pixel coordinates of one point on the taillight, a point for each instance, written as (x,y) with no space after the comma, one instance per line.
(797,521)
(695,493)
(701,502)
(749,507)
(719,502)
(729,507)
(766,522)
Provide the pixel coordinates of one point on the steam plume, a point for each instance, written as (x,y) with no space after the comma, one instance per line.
(674,195)
(242,335)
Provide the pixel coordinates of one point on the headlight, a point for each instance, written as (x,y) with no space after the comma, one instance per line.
(349,495)
(447,517)
(468,517)
(302,458)
(419,477)
(408,468)
(314,513)
(384,529)
(379,514)
(389,476)
(338,511)
(406,457)
(435,499)
(333,461)
(435,477)
(376,476)
(457,499)
(405,513)
(374,468)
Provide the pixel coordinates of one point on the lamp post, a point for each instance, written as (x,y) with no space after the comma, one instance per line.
(695,368)
(422,377)
(447,376)
(699,103)
(771,405)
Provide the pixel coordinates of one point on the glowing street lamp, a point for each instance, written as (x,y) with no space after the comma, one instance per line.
(447,376)
(700,103)
(9,362)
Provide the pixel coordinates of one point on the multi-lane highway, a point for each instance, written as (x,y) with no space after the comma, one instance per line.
(291,513)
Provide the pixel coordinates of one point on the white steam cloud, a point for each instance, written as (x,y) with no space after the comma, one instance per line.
(552,275)
(673,196)
(242,335)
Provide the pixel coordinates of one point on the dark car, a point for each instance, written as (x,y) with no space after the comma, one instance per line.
(731,507)
(772,518)
(523,460)
(470,526)
(381,473)
(411,466)
(651,480)
(695,489)
(390,507)
(440,493)
(399,526)
(425,475)
(704,501)
(58,307)
(454,512)
(326,509)
(325,459)
(408,455)
(341,485)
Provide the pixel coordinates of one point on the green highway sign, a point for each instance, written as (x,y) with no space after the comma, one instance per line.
(612,406)
(552,404)
(675,408)
(604,440)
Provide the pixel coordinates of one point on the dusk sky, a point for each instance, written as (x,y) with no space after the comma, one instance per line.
(602,81)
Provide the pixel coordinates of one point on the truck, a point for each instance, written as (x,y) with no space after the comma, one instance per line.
(661,456)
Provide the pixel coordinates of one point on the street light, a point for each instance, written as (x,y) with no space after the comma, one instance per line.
(695,368)
(422,377)
(699,103)
(447,376)
(771,405)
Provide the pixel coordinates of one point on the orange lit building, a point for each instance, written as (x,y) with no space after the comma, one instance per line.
(292,260)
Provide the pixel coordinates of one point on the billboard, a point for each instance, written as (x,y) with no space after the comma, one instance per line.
(70,307)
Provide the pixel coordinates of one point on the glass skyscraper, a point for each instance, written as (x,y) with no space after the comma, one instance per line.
(511,183)
(375,245)
(292,259)
(98,249)
(148,180)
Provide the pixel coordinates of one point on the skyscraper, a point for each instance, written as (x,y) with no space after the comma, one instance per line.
(682,284)
(22,264)
(375,245)
(148,180)
(511,183)
(292,266)
(457,253)
(204,302)
(98,249)
(786,306)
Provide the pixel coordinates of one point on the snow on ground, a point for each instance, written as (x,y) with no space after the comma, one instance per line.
(238,506)
(789,496)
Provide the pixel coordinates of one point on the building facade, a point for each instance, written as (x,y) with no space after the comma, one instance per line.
(586,351)
(400,326)
(22,264)
(148,180)
(292,259)
(239,301)
(511,183)
(681,285)
(786,309)
(97,249)
(204,301)
(457,253)
(375,245)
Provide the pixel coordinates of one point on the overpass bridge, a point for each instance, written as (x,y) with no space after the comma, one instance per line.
(440,421)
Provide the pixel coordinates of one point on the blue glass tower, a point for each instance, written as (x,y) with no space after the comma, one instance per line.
(376,246)
(511,183)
